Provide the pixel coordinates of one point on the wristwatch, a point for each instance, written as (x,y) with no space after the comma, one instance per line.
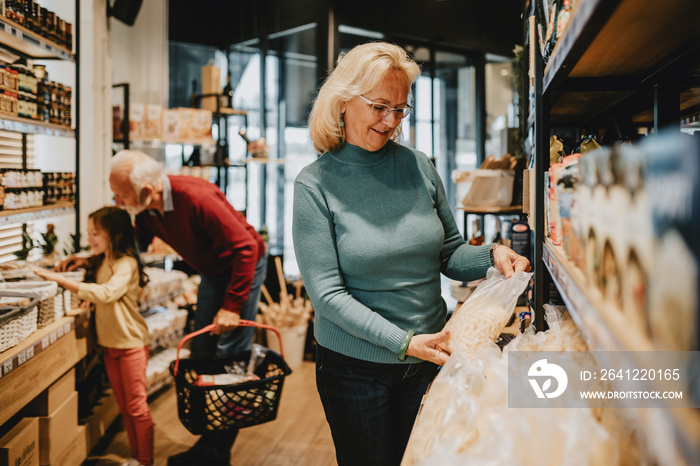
(491,249)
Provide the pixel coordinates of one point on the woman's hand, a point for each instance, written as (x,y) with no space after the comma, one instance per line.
(508,261)
(426,347)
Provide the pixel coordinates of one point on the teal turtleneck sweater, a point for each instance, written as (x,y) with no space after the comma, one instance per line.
(372,233)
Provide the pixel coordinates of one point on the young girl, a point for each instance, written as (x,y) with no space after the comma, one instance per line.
(116,275)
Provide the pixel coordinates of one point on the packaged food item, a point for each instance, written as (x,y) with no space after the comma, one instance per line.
(485,313)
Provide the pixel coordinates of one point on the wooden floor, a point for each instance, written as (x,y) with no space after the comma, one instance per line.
(299,435)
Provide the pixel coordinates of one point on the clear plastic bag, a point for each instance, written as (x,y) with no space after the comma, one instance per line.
(487,311)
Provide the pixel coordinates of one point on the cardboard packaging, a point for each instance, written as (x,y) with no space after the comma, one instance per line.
(76,451)
(153,121)
(20,446)
(137,116)
(171,125)
(211,84)
(58,430)
(51,399)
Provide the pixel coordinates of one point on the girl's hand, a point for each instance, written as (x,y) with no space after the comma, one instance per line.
(508,261)
(426,347)
(46,275)
(71,263)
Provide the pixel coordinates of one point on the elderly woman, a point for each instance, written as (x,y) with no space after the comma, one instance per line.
(373,231)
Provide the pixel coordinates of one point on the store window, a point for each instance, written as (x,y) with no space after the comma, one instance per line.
(501,117)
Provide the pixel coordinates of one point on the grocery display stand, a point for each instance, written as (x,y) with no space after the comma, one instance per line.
(34,364)
(614,54)
(29,44)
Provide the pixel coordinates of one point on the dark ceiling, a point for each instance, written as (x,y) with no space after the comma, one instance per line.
(491,26)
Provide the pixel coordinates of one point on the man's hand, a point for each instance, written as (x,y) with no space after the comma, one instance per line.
(426,347)
(225,321)
(71,263)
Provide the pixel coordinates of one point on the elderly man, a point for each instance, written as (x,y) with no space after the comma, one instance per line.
(194,217)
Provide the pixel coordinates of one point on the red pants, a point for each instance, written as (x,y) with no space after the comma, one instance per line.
(126,369)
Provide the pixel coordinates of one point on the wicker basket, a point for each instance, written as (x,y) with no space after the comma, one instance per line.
(9,326)
(71,300)
(51,306)
(17,322)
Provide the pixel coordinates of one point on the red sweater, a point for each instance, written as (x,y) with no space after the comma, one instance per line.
(208,233)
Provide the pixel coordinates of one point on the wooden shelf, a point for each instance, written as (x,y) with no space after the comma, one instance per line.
(8,217)
(30,367)
(30,43)
(232,111)
(606,330)
(612,49)
(163,142)
(500,210)
(608,38)
(25,125)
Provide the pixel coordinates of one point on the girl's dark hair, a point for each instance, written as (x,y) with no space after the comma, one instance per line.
(116,223)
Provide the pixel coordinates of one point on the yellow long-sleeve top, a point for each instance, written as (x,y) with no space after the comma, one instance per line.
(115,294)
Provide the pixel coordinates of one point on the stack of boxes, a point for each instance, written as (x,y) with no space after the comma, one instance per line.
(48,433)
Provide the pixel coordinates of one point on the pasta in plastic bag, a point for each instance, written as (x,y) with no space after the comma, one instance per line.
(485,314)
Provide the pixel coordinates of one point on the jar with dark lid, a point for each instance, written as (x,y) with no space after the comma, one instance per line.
(69,36)
(19,12)
(28,19)
(43,22)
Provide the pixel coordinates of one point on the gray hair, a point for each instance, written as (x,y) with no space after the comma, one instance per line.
(141,168)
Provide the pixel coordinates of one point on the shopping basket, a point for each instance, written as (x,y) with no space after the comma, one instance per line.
(210,407)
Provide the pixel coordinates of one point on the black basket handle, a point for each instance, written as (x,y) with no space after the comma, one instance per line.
(210,328)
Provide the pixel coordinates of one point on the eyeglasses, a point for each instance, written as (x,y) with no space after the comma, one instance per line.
(383,110)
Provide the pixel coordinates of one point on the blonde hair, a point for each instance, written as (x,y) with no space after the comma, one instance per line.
(357,72)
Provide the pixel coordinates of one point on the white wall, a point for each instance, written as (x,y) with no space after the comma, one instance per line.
(139,53)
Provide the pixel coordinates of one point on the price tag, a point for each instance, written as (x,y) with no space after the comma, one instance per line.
(59,332)
(19,34)
(21,358)
(8,29)
(52,338)
(30,352)
(66,328)
(45,342)
(7,367)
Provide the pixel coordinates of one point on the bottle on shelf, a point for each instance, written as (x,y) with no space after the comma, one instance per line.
(477,237)
(498,237)
(228,92)
(193,96)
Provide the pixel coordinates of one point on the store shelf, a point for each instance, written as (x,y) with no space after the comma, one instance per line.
(25,125)
(29,43)
(606,329)
(160,143)
(594,67)
(34,364)
(500,210)
(603,326)
(8,217)
(160,300)
(593,45)
(232,111)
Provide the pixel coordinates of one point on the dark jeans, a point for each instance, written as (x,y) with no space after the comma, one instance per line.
(210,298)
(370,407)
